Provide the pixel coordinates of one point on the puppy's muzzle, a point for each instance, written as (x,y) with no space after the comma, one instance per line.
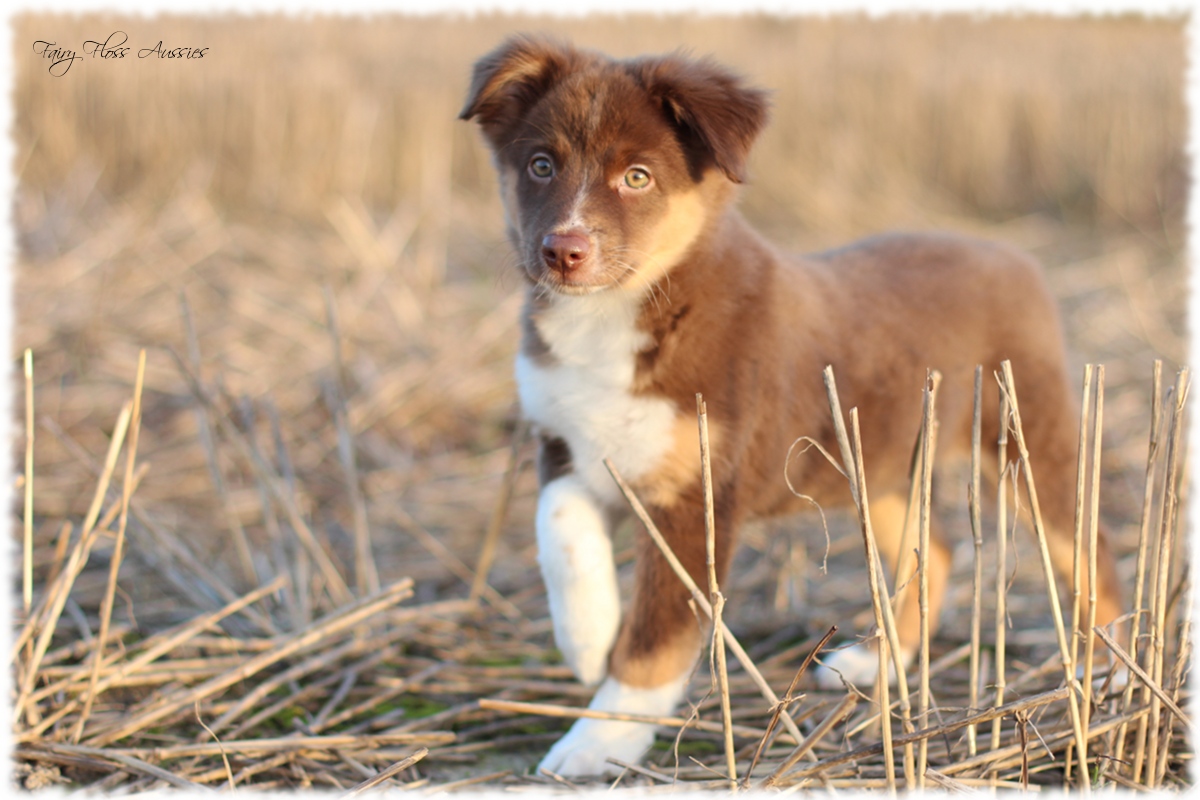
(566,252)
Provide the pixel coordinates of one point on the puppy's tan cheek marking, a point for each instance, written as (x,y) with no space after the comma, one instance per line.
(680,467)
(670,238)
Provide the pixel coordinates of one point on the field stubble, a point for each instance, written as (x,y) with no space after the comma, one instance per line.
(309,248)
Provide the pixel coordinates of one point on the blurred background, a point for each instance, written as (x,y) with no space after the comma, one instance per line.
(335,233)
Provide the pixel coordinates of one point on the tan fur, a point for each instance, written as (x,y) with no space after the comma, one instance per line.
(679,468)
(674,656)
(887,519)
(674,234)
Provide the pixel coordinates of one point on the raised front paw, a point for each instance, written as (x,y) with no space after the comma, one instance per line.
(589,744)
(581,582)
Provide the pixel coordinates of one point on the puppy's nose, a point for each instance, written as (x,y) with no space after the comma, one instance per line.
(565,251)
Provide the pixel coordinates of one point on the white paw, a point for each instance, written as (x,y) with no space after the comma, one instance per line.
(589,744)
(858,665)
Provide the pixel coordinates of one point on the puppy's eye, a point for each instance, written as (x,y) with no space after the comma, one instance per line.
(637,178)
(541,167)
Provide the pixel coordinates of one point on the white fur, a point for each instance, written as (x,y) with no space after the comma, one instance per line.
(586,397)
(575,553)
(575,220)
(590,742)
(858,665)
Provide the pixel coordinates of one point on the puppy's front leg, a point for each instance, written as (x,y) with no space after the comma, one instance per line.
(653,657)
(575,553)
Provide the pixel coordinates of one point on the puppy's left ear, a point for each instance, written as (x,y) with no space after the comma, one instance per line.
(715,111)
(511,78)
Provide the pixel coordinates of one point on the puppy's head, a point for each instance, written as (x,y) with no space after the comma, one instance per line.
(610,170)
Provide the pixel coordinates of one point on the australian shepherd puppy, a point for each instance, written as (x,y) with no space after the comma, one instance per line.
(646,286)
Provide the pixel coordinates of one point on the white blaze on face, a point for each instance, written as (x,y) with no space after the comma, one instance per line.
(575,220)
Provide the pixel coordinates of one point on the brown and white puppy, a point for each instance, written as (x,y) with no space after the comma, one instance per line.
(646,286)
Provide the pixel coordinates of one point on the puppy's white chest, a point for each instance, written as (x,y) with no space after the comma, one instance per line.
(584,392)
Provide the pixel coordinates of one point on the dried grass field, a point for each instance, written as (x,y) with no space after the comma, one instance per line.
(254,562)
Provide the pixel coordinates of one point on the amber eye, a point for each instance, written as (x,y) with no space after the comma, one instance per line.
(637,178)
(541,167)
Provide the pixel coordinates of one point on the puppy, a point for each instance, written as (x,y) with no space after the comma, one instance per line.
(646,286)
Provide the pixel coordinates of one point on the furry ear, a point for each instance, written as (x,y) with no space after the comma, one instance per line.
(712,107)
(511,78)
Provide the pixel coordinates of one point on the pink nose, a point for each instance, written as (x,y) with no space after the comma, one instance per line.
(565,252)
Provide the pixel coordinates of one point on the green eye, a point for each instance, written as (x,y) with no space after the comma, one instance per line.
(541,167)
(637,178)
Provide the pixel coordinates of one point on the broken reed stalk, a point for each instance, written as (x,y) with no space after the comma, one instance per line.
(788,697)
(974,667)
(701,601)
(857,754)
(1077,540)
(286,743)
(114,569)
(1182,663)
(1011,755)
(159,645)
(27,572)
(928,448)
(1081,466)
(295,672)
(336,622)
(60,552)
(132,763)
(390,772)
(487,553)
(578,712)
(60,590)
(717,647)
(1148,681)
(877,604)
(113,510)
(1144,561)
(38,612)
(1162,572)
(843,709)
(366,574)
(1089,643)
(874,566)
(1001,563)
(1047,570)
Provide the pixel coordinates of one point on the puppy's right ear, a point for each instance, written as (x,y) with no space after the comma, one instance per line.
(511,78)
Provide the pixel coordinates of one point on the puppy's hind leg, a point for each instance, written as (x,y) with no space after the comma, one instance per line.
(575,554)
(859,664)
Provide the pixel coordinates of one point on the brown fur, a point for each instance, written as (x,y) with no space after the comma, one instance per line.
(731,317)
